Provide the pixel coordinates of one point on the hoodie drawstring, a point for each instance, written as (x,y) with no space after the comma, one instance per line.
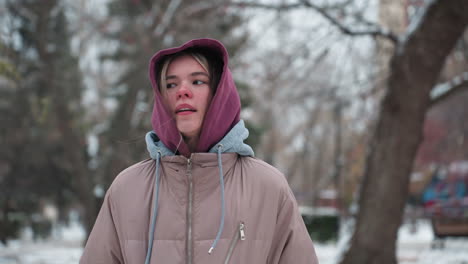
(155,210)
(221,183)
(155,206)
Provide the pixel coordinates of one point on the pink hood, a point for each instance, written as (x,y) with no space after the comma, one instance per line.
(222,114)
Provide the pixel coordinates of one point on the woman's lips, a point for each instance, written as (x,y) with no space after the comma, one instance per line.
(185,112)
(185,109)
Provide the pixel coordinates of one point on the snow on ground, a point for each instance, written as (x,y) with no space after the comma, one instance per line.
(413,248)
(63,248)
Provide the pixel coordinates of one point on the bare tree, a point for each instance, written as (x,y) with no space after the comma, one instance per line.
(415,67)
(416,60)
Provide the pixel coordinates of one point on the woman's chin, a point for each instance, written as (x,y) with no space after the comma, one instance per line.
(188,132)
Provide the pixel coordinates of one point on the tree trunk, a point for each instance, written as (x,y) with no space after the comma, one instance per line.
(414,70)
(338,157)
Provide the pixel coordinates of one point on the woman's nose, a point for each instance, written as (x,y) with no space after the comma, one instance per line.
(184,91)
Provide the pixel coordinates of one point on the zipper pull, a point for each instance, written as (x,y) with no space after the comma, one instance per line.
(242,231)
(189,165)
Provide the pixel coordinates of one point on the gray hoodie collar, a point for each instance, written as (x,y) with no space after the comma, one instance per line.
(233,141)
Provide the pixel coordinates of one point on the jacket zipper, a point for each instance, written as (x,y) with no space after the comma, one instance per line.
(240,234)
(189,211)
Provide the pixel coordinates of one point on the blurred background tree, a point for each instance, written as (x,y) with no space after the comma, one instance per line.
(44,157)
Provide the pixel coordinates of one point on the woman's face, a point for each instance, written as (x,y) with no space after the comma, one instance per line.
(188,94)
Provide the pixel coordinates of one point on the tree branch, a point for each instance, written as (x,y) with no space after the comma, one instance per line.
(449,89)
(167,17)
(374,31)
(279,7)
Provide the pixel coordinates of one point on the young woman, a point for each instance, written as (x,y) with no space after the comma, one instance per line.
(202,198)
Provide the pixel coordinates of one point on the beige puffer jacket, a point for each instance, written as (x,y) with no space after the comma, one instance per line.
(262,223)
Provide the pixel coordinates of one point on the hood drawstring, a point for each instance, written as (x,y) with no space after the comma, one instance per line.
(155,210)
(221,183)
(155,204)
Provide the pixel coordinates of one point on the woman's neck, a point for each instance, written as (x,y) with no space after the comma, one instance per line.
(191,143)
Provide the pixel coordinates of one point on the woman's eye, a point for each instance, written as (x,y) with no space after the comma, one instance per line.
(170,85)
(198,82)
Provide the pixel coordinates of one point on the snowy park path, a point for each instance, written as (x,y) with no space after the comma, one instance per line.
(412,248)
(50,252)
(415,248)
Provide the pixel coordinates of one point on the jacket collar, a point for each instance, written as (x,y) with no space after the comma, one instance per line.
(233,142)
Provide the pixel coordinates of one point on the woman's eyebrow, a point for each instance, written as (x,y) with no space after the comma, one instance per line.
(192,74)
(200,73)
